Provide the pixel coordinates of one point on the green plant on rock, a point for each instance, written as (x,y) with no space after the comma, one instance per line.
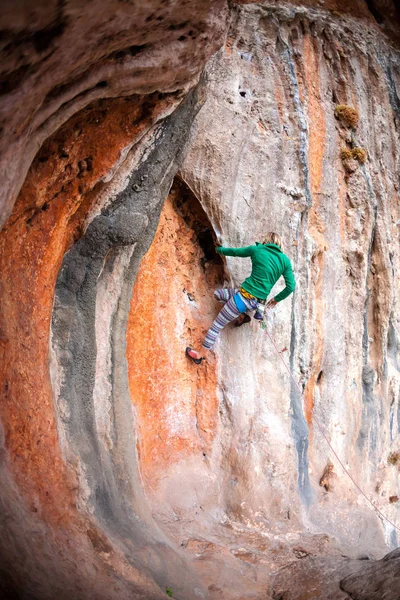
(345,154)
(347,115)
(359,154)
(169,592)
(394,458)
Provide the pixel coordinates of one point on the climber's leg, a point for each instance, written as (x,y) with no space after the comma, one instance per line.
(224,294)
(229,313)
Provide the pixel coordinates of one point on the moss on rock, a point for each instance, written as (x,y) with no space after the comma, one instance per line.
(348,115)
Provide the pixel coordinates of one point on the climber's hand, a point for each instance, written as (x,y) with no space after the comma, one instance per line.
(217,244)
(271,303)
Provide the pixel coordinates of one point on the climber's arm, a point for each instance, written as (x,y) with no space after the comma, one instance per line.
(290,284)
(241,252)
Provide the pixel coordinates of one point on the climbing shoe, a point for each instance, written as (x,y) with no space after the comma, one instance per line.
(193,355)
(244,318)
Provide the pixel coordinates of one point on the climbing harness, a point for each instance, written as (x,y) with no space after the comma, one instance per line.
(323,431)
(259,313)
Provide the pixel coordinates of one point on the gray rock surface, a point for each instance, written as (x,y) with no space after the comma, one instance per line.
(269,159)
(112,248)
(339,578)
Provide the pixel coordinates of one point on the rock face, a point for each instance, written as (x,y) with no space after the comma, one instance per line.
(275,88)
(127,471)
(59,57)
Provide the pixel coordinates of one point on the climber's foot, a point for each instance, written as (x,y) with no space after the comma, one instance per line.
(194,356)
(242,319)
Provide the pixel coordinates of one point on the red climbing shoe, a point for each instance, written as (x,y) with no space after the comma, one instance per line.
(242,319)
(194,356)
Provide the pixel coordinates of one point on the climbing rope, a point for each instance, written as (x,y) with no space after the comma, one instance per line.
(322,430)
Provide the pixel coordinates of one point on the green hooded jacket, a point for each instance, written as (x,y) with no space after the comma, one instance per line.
(269,263)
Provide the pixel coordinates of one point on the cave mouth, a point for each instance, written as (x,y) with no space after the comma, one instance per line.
(189,208)
(375,11)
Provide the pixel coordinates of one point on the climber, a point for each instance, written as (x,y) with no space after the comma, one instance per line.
(268,264)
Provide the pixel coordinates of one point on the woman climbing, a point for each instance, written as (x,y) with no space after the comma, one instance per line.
(268,264)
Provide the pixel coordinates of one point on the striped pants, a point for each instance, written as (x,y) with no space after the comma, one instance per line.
(229,313)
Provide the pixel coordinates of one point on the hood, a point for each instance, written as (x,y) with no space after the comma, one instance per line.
(270,246)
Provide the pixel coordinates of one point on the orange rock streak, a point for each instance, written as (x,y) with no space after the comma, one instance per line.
(316,226)
(172,307)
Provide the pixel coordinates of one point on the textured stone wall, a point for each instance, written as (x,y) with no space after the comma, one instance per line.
(126,470)
(59,57)
(107,76)
(44,429)
(274,91)
(266,152)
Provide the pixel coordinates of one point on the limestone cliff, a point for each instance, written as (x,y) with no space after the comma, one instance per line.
(133,136)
